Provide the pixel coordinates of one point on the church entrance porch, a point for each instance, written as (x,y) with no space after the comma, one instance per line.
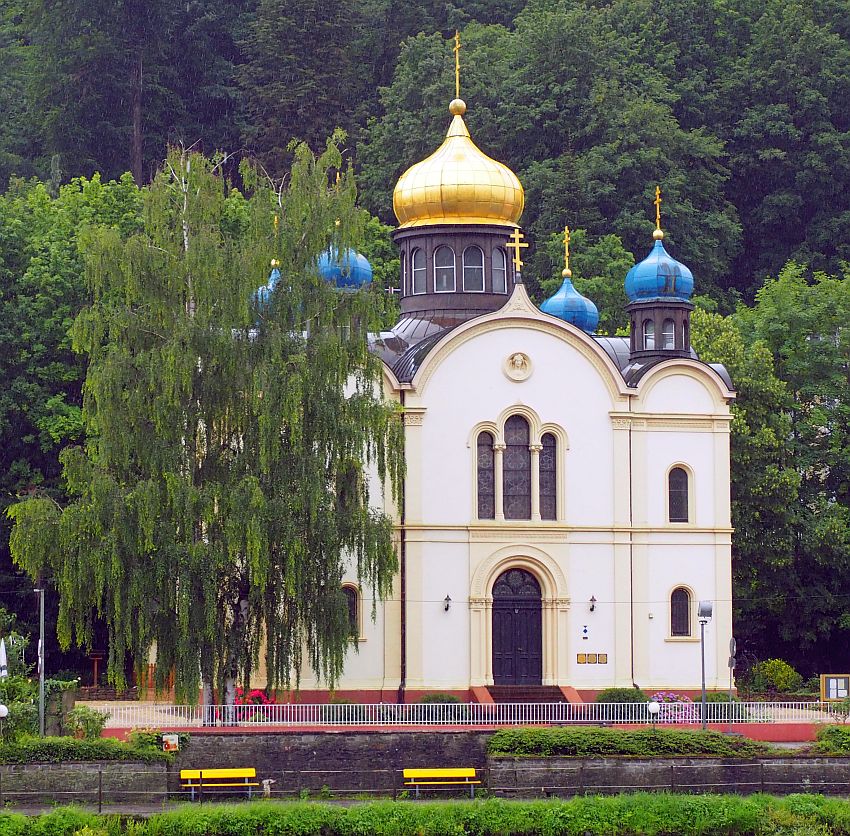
(517,629)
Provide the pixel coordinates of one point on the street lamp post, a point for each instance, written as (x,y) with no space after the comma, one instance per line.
(4,713)
(653,708)
(704,615)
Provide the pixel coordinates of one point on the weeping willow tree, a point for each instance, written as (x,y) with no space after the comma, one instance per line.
(223,489)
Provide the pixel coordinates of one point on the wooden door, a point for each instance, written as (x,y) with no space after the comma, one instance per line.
(517,629)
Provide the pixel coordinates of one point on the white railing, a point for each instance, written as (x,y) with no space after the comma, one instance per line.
(165,715)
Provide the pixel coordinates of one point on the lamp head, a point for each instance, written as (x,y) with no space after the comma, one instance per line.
(705,610)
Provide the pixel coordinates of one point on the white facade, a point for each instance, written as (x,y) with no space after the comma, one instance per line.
(609,562)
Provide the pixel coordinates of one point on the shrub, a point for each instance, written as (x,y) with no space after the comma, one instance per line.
(585,742)
(774,675)
(622,695)
(61,749)
(86,721)
(453,710)
(832,740)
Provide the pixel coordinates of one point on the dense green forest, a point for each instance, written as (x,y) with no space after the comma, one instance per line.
(739,108)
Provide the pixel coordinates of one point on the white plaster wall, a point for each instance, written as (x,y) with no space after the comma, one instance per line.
(469,386)
(678,393)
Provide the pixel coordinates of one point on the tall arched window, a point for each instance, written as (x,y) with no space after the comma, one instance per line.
(500,272)
(516,470)
(648,335)
(668,334)
(680,612)
(418,261)
(548,478)
(486,478)
(444,270)
(473,270)
(353,615)
(404,288)
(677,495)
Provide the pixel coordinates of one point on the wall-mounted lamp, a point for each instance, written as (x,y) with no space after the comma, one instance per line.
(447,602)
(592,603)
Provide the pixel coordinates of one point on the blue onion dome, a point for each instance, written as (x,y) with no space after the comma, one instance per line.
(350,272)
(659,276)
(262,296)
(568,304)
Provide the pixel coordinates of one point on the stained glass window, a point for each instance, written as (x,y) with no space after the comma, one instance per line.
(516,469)
(680,612)
(548,478)
(486,478)
(351,599)
(677,484)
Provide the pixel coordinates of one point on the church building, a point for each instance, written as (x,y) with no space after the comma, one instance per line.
(566,504)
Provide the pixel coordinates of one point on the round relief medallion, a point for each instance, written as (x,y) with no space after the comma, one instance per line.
(517,366)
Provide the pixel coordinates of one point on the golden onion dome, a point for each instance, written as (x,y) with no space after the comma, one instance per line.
(458,184)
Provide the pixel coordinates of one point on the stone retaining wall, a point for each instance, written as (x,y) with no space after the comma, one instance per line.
(536,777)
(83,783)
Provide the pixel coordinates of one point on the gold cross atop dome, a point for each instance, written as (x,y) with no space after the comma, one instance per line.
(659,233)
(457,64)
(515,243)
(567,273)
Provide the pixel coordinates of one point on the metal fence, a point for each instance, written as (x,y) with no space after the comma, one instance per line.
(295,715)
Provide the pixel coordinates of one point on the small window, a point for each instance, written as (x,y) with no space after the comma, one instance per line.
(648,335)
(516,469)
(444,270)
(680,612)
(500,272)
(486,478)
(353,617)
(418,261)
(668,334)
(677,489)
(473,270)
(548,478)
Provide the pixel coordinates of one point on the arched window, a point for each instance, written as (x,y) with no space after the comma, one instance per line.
(668,334)
(500,272)
(473,270)
(404,288)
(486,478)
(677,495)
(418,261)
(353,615)
(680,612)
(444,270)
(517,470)
(548,478)
(648,335)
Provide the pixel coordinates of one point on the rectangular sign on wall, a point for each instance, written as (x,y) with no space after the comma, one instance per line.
(834,686)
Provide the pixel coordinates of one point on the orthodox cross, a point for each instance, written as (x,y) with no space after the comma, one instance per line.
(515,243)
(657,203)
(457,64)
(567,271)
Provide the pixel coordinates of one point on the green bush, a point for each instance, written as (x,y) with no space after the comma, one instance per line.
(796,815)
(585,742)
(439,698)
(61,749)
(86,721)
(622,695)
(774,675)
(833,740)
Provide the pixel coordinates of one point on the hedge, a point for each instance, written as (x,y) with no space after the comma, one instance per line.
(62,749)
(833,740)
(586,742)
(624,815)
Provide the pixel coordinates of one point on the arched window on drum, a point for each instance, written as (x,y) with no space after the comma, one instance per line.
(473,270)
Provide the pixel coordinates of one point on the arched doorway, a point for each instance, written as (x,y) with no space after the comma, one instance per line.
(517,629)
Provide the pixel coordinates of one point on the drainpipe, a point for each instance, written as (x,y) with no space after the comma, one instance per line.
(631,556)
(402,684)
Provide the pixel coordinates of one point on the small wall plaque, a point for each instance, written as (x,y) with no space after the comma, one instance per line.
(603,658)
(591,658)
(581,658)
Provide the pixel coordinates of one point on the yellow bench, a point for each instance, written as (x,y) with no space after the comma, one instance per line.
(458,776)
(200,779)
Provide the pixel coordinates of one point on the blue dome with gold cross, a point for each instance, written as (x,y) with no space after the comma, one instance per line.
(659,276)
(348,271)
(568,304)
(262,295)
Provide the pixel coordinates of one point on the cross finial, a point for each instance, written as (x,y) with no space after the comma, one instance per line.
(567,272)
(457,64)
(515,243)
(658,234)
